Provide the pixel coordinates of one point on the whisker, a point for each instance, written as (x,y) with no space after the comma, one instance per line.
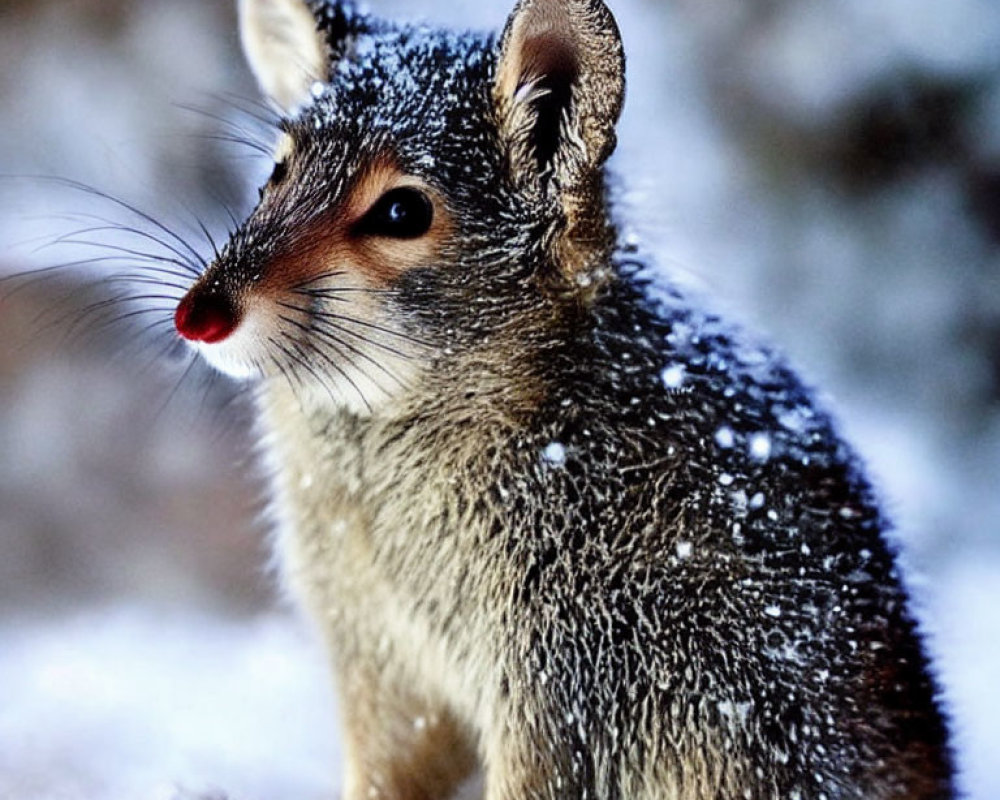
(336,341)
(268,116)
(149,269)
(142,280)
(224,419)
(304,363)
(181,260)
(177,385)
(257,147)
(208,236)
(72,320)
(85,189)
(268,119)
(152,258)
(291,379)
(92,309)
(335,290)
(135,314)
(316,278)
(33,277)
(334,364)
(320,349)
(327,316)
(353,320)
(229,212)
(152,326)
(231,124)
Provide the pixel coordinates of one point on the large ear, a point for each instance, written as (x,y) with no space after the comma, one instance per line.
(559,87)
(285,48)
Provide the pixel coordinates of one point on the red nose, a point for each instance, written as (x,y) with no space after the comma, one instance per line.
(206,318)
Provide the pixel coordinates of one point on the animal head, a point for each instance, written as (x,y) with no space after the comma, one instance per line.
(429,190)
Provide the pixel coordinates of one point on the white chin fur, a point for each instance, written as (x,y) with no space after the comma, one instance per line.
(235,356)
(225,363)
(241,357)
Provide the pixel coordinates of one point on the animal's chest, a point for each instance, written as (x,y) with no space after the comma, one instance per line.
(375,536)
(388,575)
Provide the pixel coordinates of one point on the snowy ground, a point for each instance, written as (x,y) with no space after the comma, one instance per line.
(139,655)
(135,703)
(141,704)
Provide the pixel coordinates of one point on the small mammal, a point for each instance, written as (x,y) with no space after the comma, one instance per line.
(556,526)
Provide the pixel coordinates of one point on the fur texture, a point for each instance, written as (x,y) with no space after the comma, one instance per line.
(556,524)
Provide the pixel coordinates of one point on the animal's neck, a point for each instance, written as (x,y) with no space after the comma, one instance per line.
(304,445)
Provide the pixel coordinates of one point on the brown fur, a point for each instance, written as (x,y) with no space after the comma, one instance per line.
(519,553)
(328,242)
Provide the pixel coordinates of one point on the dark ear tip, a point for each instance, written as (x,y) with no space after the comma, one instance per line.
(339,20)
(323,9)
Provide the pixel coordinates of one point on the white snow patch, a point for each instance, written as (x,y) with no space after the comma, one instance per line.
(725,438)
(555,453)
(673,376)
(125,702)
(760,447)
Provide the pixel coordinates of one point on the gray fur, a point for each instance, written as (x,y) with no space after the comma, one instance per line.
(596,542)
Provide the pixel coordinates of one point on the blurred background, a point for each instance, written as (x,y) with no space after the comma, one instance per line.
(827,172)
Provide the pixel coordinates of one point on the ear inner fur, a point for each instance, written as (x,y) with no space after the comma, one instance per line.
(574,40)
(551,66)
(559,90)
(286,52)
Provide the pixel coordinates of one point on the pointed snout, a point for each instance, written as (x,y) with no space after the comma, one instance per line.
(206,317)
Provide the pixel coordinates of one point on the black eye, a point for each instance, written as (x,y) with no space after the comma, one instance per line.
(403,213)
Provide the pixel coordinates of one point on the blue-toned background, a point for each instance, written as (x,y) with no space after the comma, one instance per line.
(827,172)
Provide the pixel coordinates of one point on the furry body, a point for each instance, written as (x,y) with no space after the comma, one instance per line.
(655,611)
(553,524)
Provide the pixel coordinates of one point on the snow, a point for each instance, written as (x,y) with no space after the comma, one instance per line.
(555,453)
(673,376)
(120,698)
(725,438)
(130,702)
(760,447)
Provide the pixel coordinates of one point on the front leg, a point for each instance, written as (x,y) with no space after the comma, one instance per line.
(529,756)
(398,744)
